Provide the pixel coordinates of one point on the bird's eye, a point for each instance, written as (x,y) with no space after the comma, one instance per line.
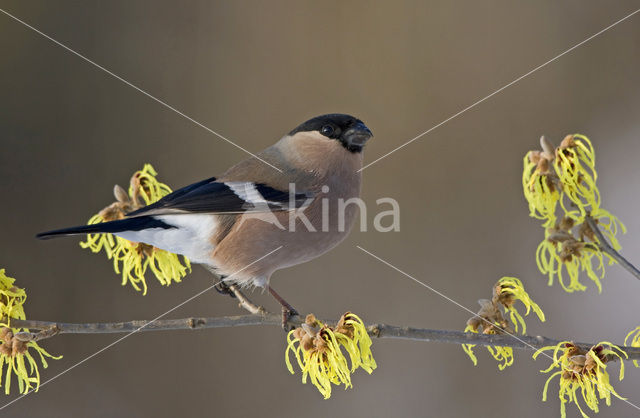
(326,130)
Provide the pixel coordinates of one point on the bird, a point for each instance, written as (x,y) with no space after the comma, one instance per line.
(287,201)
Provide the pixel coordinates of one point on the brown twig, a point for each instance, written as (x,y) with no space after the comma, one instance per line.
(245,303)
(375,330)
(608,249)
(42,334)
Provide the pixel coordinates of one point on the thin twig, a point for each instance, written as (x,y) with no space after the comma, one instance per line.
(44,333)
(608,249)
(375,330)
(245,303)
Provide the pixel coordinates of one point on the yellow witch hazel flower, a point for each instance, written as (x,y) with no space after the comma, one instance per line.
(16,356)
(540,183)
(133,259)
(633,340)
(561,254)
(564,180)
(509,290)
(491,319)
(503,355)
(582,373)
(318,350)
(576,169)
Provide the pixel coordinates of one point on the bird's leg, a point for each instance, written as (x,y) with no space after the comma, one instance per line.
(233,291)
(288,311)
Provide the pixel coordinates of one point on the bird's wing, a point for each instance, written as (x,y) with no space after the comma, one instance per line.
(217,197)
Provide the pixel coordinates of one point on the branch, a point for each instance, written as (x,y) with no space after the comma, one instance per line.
(608,249)
(260,316)
(375,330)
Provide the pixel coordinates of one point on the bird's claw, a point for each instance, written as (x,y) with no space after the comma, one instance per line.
(224,289)
(287,314)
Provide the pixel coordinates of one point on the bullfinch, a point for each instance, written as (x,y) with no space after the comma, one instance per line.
(292,208)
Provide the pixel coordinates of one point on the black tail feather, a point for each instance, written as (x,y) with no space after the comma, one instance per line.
(128,224)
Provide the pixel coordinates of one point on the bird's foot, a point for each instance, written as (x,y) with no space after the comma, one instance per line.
(288,312)
(224,289)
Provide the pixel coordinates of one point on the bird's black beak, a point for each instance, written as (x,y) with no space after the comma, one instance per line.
(356,136)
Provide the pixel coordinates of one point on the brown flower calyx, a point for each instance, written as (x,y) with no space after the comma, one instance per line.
(311,338)
(343,328)
(138,186)
(567,142)
(580,362)
(571,244)
(125,203)
(543,159)
(145,249)
(11,346)
(490,319)
(313,334)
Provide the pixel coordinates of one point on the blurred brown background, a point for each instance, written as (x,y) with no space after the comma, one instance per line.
(254,70)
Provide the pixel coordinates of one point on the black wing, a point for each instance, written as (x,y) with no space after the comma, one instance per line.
(211,196)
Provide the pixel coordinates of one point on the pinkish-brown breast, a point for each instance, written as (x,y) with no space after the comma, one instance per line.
(311,162)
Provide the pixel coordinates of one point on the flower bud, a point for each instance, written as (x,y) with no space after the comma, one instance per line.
(120,194)
(547,148)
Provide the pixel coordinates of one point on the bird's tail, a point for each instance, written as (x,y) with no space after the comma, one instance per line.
(122,225)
